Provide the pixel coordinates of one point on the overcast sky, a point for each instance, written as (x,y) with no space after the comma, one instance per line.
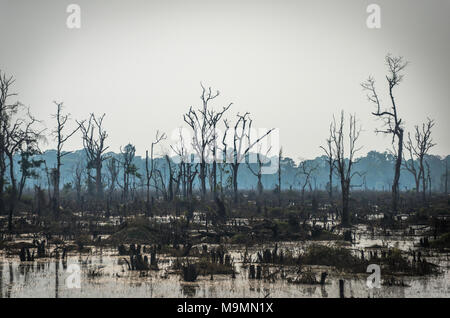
(292,64)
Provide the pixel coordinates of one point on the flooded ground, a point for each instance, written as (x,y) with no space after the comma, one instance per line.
(104,273)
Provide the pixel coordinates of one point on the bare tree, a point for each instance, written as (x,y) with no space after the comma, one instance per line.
(280,156)
(392,123)
(242,129)
(150,169)
(344,165)
(214,118)
(113,167)
(330,161)
(7,108)
(78,172)
(410,164)
(18,133)
(173,179)
(61,138)
(223,166)
(428,178)
(202,122)
(127,155)
(183,157)
(420,147)
(28,165)
(306,169)
(94,137)
(260,159)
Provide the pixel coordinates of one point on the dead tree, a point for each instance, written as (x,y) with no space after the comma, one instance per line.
(127,155)
(78,172)
(6,109)
(173,182)
(203,133)
(344,165)
(306,169)
(410,164)
(183,157)
(420,147)
(112,166)
(49,182)
(260,158)
(159,182)
(224,164)
(392,123)
(280,155)
(191,173)
(18,133)
(94,137)
(428,178)
(28,165)
(330,161)
(242,129)
(61,137)
(214,118)
(149,170)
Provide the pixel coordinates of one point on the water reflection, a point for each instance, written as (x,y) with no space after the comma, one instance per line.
(1,279)
(45,278)
(56,278)
(189,290)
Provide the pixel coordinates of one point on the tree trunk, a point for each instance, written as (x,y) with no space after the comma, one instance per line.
(331,181)
(202,176)
(424,181)
(345,204)
(279,179)
(98,180)
(56,185)
(56,195)
(417,180)
(260,185)
(13,196)
(214,172)
(235,182)
(398,164)
(2,202)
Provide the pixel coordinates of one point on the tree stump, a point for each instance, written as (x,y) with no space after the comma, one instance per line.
(22,254)
(251,273)
(258,272)
(190,273)
(227,260)
(341,288)
(323,276)
(153,260)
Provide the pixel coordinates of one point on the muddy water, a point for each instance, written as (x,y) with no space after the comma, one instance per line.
(104,274)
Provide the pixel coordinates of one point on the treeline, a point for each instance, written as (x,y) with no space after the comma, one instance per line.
(375,173)
(217,154)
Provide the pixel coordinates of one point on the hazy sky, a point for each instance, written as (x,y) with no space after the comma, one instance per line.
(291,64)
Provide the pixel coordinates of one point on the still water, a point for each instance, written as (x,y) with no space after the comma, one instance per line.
(103,273)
